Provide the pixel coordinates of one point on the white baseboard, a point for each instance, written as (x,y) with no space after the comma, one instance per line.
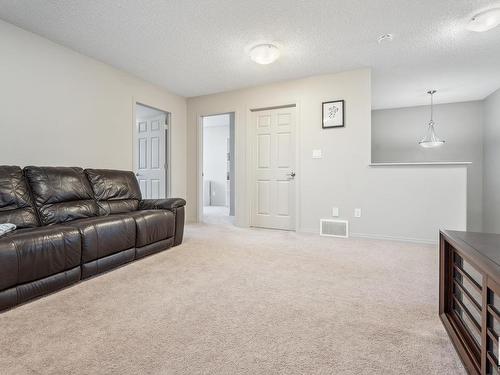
(359,235)
(394,238)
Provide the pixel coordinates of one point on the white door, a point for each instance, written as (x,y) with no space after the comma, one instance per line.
(274,169)
(151,155)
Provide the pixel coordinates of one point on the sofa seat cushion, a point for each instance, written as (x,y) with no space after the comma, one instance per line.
(153,226)
(105,235)
(34,253)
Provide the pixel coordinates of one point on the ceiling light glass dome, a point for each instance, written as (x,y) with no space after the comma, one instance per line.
(264,53)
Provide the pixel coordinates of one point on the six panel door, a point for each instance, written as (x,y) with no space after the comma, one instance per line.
(151,152)
(274,168)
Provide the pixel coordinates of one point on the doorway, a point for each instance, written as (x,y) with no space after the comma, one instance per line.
(218,198)
(152,151)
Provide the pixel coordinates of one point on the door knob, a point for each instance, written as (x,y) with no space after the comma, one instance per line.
(291,174)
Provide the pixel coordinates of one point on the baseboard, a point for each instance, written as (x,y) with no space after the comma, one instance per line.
(394,238)
(364,235)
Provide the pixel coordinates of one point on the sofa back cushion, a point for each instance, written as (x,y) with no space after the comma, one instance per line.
(61,194)
(115,191)
(16,206)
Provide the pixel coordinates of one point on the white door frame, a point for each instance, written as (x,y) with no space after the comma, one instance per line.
(251,162)
(168,143)
(199,163)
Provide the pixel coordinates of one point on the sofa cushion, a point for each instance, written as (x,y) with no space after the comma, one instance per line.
(61,193)
(115,191)
(105,235)
(153,226)
(16,206)
(34,253)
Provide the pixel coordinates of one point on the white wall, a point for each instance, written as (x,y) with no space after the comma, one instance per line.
(59,107)
(215,158)
(401,202)
(491,182)
(396,132)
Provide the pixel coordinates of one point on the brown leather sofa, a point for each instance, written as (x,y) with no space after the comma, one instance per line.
(73,224)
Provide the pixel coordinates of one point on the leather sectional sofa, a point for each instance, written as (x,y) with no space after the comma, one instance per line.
(73,224)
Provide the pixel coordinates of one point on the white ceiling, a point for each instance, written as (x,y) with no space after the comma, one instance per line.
(196,47)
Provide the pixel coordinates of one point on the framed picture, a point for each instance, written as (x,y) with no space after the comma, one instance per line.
(333,114)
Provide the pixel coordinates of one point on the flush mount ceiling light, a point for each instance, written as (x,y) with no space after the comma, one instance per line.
(485,21)
(431,140)
(264,53)
(385,38)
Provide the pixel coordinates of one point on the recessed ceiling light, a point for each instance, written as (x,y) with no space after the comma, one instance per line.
(385,38)
(485,21)
(264,53)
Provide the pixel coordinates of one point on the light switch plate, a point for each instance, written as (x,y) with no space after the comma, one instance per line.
(317,154)
(335,211)
(357,212)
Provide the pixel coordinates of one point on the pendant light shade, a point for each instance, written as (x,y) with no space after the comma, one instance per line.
(431,140)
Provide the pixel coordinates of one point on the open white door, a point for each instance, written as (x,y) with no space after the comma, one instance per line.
(274,168)
(151,157)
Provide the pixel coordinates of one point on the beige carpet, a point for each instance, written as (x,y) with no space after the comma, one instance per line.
(242,301)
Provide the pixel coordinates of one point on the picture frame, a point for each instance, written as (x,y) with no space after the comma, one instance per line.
(333,114)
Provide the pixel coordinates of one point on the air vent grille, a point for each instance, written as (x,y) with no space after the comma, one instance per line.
(334,228)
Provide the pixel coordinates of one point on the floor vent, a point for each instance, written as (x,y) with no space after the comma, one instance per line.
(334,228)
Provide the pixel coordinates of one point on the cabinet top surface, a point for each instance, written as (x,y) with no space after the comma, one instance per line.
(488,244)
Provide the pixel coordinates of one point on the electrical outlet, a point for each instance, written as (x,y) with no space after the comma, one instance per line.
(317,154)
(357,212)
(335,211)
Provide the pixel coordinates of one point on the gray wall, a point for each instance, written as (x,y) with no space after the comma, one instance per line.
(491,177)
(49,91)
(396,132)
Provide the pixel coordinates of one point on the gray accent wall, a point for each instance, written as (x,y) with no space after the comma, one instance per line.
(396,132)
(491,177)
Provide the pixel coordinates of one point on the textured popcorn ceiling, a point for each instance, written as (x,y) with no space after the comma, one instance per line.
(200,47)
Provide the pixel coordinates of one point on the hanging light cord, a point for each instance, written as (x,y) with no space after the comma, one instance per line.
(431,92)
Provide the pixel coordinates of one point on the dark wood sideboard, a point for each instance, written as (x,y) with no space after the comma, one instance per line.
(469,297)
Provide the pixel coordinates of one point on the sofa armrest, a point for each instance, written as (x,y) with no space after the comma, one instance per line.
(176,205)
(162,204)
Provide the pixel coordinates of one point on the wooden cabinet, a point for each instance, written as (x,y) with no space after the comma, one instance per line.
(469,297)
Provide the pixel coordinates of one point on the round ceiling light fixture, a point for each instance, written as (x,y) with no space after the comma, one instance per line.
(264,53)
(485,21)
(385,38)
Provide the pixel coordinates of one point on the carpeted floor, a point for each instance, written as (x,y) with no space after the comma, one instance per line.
(243,301)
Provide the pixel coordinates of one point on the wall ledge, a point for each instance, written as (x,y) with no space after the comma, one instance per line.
(424,163)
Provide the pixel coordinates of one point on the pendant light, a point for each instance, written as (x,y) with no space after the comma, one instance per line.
(431,140)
